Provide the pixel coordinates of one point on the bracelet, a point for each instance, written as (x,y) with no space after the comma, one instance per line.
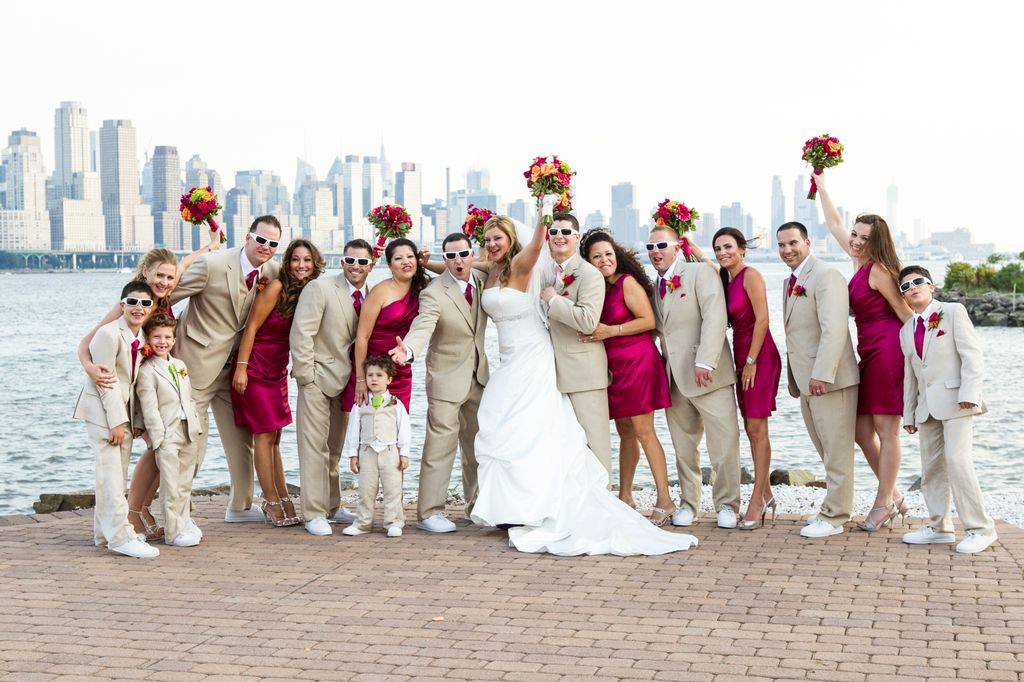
(360,381)
(239,362)
(620,330)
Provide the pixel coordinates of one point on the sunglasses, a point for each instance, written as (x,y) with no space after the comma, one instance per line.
(261,240)
(911,283)
(352,260)
(131,302)
(660,246)
(564,231)
(452,255)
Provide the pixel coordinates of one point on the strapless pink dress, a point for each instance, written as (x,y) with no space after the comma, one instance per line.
(758,402)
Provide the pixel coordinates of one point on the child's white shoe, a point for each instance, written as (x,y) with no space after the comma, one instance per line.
(976,542)
(394,531)
(354,529)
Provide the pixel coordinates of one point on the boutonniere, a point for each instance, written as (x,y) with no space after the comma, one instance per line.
(675,284)
(798,290)
(933,321)
(567,279)
(146,352)
(183,372)
(262,283)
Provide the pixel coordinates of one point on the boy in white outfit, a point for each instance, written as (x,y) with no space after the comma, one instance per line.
(377,443)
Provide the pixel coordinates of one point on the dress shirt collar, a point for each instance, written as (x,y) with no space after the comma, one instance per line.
(798,269)
(462,285)
(926,313)
(247,266)
(352,289)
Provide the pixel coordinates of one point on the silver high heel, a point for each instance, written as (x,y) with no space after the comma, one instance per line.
(870,526)
(902,508)
(766,505)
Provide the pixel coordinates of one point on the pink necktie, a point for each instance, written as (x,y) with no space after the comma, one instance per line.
(792,283)
(250,279)
(469,295)
(919,337)
(662,287)
(135,355)
(357,300)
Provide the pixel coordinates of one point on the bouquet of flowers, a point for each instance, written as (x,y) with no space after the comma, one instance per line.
(473,226)
(554,177)
(391,221)
(679,218)
(199,205)
(823,151)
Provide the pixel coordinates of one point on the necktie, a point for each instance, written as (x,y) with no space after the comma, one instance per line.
(357,301)
(792,283)
(469,295)
(250,279)
(919,337)
(662,287)
(174,375)
(135,355)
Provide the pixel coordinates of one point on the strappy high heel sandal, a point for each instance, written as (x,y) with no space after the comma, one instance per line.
(288,507)
(871,526)
(744,524)
(666,516)
(902,508)
(277,523)
(152,531)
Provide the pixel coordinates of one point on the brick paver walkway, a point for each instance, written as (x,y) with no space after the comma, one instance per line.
(254,601)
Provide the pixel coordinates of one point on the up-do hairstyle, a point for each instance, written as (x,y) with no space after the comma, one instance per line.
(915,270)
(568,217)
(381,362)
(134,287)
(161,320)
(793,225)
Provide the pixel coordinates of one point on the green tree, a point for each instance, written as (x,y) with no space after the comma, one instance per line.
(959,276)
(994,258)
(983,276)
(1009,275)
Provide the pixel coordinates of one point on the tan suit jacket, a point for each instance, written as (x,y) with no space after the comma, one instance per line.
(950,371)
(161,402)
(322,333)
(111,346)
(452,328)
(218,306)
(818,342)
(691,322)
(578,366)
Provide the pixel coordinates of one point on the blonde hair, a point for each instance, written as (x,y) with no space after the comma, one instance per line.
(151,260)
(505,224)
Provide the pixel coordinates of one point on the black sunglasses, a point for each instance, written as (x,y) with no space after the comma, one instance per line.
(660,246)
(564,231)
(260,239)
(131,302)
(911,283)
(452,255)
(352,260)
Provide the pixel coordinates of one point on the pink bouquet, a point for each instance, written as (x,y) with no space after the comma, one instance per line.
(679,218)
(391,221)
(199,205)
(554,177)
(823,151)
(473,226)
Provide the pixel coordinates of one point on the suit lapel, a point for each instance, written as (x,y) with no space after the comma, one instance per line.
(128,337)
(930,334)
(458,298)
(790,301)
(666,303)
(344,297)
(235,283)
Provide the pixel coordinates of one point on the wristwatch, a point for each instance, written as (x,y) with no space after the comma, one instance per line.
(751,361)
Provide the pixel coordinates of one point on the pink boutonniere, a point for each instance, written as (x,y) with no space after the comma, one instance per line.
(798,290)
(568,279)
(941,333)
(933,321)
(674,284)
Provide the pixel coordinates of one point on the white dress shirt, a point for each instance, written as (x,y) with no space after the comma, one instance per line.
(797,269)
(926,313)
(462,285)
(362,291)
(248,267)
(403,441)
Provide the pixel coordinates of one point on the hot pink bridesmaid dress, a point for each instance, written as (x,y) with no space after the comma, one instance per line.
(878,345)
(263,408)
(758,402)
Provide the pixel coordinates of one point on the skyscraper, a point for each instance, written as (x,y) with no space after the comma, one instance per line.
(237,215)
(76,212)
(351,178)
(387,177)
(71,145)
(168,228)
(314,202)
(478,180)
(520,210)
(595,219)
(408,188)
(625,220)
(778,212)
(304,172)
(147,179)
(129,225)
(373,183)
(24,220)
(805,211)
(336,183)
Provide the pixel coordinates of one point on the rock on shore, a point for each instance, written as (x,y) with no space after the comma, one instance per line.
(991,309)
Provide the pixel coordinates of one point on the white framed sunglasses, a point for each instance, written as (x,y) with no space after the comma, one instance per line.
(353,260)
(911,283)
(132,302)
(263,241)
(564,231)
(660,246)
(452,255)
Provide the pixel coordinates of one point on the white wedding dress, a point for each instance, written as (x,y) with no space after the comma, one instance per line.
(534,466)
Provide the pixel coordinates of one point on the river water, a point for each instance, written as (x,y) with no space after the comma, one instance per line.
(43,316)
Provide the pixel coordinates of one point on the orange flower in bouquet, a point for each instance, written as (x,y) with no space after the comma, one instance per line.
(199,205)
(550,177)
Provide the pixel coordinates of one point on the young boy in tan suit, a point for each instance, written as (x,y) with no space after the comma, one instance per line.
(107,414)
(941,395)
(169,414)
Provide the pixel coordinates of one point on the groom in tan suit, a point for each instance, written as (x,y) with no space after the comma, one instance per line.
(221,287)
(575,299)
(323,330)
(689,307)
(452,322)
(822,370)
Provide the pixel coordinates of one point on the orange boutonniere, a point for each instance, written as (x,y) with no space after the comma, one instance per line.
(262,283)
(146,352)
(183,372)
(675,284)
(933,321)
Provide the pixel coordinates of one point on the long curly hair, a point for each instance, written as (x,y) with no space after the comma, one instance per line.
(293,286)
(151,260)
(505,224)
(626,260)
(881,248)
(419,278)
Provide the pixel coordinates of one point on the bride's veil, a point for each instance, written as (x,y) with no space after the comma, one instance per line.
(541,275)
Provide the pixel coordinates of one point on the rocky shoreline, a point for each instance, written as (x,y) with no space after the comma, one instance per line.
(989,309)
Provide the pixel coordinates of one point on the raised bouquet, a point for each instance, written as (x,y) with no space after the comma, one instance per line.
(391,221)
(199,205)
(473,226)
(679,218)
(822,151)
(550,177)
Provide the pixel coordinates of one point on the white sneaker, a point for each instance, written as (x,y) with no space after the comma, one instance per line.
(810,518)
(137,549)
(354,529)
(438,523)
(186,539)
(683,516)
(820,528)
(726,518)
(319,526)
(191,527)
(342,516)
(976,542)
(395,531)
(926,535)
(245,516)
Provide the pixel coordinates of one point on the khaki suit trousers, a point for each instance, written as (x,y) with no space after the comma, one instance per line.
(320,430)
(830,420)
(237,442)
(176,460)
(947,465)
(591,409)
(688,419)
(379,470)
(450,425)
(110,520)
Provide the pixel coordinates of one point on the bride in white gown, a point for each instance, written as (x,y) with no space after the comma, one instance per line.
(535,471)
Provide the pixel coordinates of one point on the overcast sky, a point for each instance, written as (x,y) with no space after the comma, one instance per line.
(702,102)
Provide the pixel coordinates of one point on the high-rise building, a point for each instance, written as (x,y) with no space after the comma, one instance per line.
(76,211)
(94,151)
(24,220)
(408,188)
(237,216)
(778,212)
(147,180)
(71,145)
(168,228)
(478,181)
(805,211)
(267,194)
(387,177)
(625,220)
(373,183)
(314,202)
(706,228)
(595,219)
(304,172)
(351,180)
(521,211)
(336,182)
(129,225)
(458,206)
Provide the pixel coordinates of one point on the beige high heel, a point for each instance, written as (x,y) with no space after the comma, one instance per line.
(666,516)
(871,526)
(765,506)
(152,531)
(902,508)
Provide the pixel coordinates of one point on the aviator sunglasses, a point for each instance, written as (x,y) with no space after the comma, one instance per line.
(911,283)
(352,260)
